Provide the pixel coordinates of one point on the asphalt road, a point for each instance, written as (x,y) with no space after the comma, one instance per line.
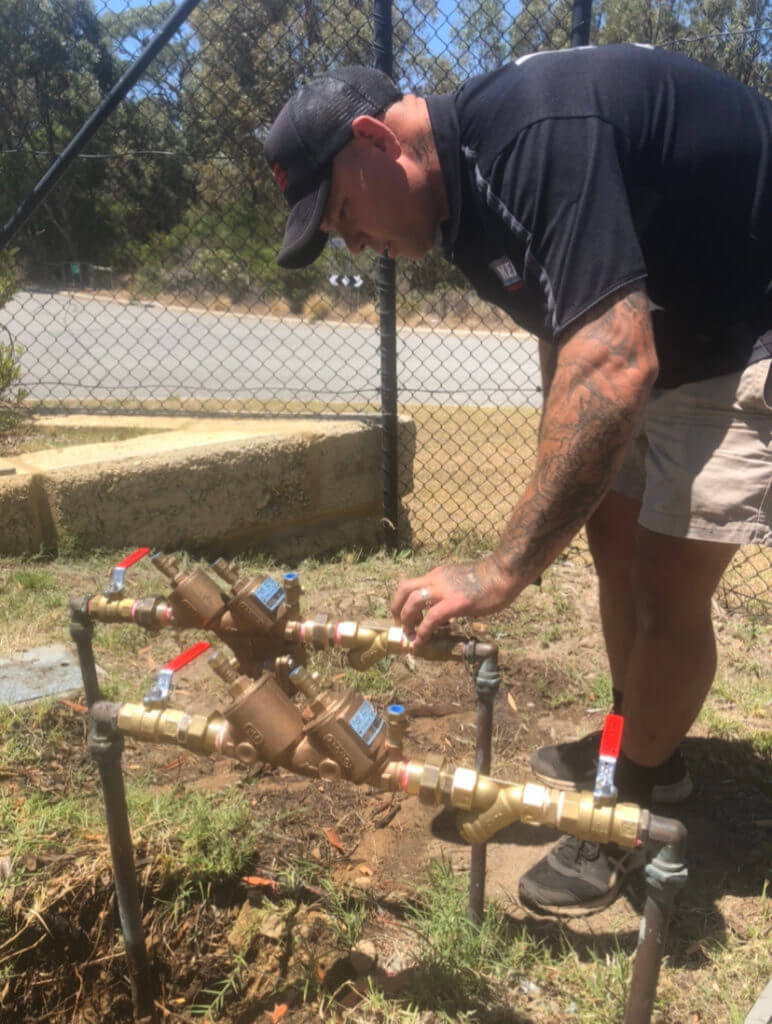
(77,347)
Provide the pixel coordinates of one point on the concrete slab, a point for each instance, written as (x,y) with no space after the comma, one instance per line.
(39,672)
(289,487)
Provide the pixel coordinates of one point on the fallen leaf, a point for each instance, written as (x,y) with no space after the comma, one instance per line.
(332,839)
(278,1012)
(511,701)
(365,869)
(263,883)
(80,708)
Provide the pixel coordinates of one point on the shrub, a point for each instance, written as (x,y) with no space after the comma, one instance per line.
(11,396)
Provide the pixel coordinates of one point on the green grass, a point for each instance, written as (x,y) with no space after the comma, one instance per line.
(458,960)
(348,912)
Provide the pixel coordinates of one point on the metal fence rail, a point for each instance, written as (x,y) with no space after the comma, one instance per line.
(148,273)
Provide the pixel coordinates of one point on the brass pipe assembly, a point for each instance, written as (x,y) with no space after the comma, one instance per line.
(258,726)
(277,713)
(336,736)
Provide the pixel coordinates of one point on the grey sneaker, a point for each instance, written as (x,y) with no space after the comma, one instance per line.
(577,877)
(573,765)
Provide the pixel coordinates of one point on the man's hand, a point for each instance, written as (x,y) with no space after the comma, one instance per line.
(472,588)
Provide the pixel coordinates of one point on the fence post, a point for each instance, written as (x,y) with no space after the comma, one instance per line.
(387,308)
(581,16)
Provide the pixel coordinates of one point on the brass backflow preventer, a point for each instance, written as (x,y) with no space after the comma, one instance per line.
(278,714)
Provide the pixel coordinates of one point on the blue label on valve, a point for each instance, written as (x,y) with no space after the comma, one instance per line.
(269,594)
(366,722)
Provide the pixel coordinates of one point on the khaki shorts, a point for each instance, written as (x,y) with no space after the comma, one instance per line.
(702,464)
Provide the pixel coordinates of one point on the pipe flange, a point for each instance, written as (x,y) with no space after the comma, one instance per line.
(665,878)
(487,678)
(104,749)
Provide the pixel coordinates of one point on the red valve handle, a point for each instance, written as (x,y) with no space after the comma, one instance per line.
(186,656)
(132,558)
(611,737)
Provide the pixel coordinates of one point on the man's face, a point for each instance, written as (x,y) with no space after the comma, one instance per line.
(377,201)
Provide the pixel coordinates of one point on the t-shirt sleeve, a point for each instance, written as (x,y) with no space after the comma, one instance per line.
(560,189)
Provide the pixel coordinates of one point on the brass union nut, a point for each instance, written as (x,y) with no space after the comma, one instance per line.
(395,640)
(430,778)
(347,634)
(533,801)
(464,785)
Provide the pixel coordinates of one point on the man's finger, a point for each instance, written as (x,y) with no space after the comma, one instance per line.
(435,616)
(412,611)
(403,592)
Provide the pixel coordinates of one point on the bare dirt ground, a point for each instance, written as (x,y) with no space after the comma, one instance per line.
(266,944)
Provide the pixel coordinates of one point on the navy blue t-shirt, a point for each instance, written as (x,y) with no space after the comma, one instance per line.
(573,173)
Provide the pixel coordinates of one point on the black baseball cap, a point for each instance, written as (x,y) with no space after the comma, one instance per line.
(312,127)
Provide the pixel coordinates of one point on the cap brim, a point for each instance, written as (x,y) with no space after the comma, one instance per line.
(303,241)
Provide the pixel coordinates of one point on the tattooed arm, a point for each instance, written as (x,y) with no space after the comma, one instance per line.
(599,385)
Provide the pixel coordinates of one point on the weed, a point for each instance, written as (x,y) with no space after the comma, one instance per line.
(300,874)
(459,958)
(348,912)
(206,836)
(41,819)
(177,905)
(219,993)
(551,635)
(598,690)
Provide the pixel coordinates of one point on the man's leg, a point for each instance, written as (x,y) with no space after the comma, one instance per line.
(672,659)
(613,535)
(665,678)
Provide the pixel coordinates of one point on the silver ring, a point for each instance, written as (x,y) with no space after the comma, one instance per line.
(426,597)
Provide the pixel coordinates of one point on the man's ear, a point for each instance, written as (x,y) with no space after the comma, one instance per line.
(374,132)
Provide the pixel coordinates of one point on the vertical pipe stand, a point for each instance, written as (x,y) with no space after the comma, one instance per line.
(666,875)
(487,680)
(105,745)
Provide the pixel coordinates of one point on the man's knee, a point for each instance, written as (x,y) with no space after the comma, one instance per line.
(674,579)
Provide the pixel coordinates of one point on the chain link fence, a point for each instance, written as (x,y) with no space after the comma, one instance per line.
(148,279)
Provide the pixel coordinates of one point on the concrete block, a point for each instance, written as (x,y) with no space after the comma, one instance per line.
(290,488)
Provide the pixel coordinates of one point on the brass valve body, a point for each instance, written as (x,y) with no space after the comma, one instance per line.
(263,713)
(196,598)
(489,805)
(148,612)
(249,612)
(203,734)
(368,644)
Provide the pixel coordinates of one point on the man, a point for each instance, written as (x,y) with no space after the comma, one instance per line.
(617,202)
